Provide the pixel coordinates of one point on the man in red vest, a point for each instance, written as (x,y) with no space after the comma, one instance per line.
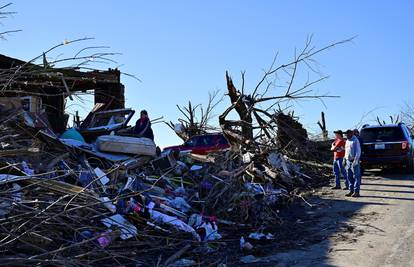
(338,147)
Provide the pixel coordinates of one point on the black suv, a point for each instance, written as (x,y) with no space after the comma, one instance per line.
(387,145)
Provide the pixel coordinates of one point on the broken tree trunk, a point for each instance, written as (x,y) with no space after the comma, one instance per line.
(322,125)
(237,132)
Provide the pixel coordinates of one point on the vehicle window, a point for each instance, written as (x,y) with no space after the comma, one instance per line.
(192,141)
(222,140)
(383,134)
(205,141)
(405,131)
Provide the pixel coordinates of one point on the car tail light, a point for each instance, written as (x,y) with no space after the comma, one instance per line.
(404,145)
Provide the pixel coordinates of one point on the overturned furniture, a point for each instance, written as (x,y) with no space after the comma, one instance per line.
(99,123)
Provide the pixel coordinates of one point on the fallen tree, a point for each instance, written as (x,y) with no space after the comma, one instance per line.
(257,125)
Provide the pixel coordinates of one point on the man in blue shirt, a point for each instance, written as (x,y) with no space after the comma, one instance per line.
(356,133)
(352,157)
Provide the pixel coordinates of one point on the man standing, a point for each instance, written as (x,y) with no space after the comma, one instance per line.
(338,147)
(143,126)
(356,133)
(352,156)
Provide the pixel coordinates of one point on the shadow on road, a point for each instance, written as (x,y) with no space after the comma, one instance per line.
(308,235)
(307,227)
(386,197)
(389,185)
(388,191)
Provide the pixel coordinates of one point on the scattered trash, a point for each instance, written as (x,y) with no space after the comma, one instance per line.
(26,169)
(127,229)
(183,263)
(90,193)
(260,236)
(249,259)
(209,231)
(164,162)
(102,176)
(196,168)
(72,133)
(104,240)
(179,203)
(245,246)
(17,193)
(108,204)
(173,221)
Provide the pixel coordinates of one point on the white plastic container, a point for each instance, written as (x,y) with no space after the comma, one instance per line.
(125,144)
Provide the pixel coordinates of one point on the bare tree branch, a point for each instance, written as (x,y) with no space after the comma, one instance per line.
(247,105)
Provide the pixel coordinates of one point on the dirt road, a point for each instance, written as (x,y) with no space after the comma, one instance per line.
(374,230)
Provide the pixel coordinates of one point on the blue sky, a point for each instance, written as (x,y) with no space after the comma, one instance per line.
(181,49)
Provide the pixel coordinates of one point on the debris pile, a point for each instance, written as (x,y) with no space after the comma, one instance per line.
(291,135)
(67,202)
(95,194)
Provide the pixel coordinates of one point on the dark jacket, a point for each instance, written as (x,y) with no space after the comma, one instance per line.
(143,129)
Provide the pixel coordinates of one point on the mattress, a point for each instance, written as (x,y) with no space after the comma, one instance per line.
(125,144)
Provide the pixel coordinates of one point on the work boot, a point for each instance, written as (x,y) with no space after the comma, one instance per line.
(356,194)
(345,188)
(336,187)
(349,194)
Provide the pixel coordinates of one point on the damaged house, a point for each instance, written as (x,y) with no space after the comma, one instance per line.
(43,90)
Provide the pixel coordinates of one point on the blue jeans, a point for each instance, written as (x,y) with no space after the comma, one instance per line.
(338,168)
(354,176)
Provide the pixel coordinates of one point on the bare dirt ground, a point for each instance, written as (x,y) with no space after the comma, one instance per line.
(376,229)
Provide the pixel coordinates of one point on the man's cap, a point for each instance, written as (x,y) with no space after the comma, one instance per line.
(338,132)
(349,131)
(356,130)
(144,112)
